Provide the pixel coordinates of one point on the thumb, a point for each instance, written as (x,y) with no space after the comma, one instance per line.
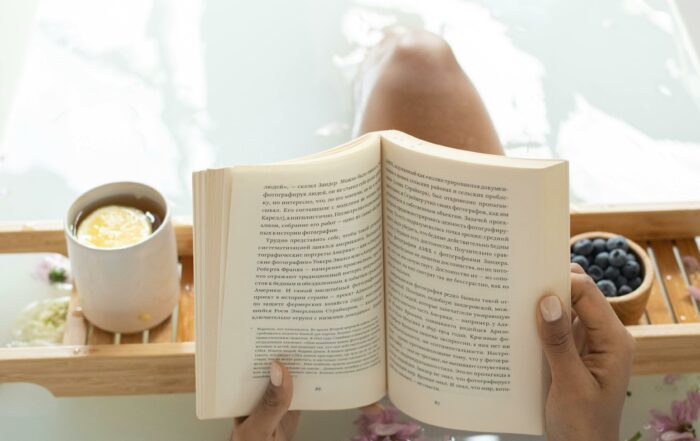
(274,404)
(554,327)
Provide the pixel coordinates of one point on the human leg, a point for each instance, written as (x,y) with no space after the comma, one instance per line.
(413,83)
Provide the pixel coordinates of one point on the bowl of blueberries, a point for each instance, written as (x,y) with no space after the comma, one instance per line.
(621,269)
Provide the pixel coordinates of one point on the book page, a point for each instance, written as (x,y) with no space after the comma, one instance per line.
(304,282)
(464,247)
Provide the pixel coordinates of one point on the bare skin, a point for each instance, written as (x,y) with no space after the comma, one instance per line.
(590,358)
(413,83)
(270,420)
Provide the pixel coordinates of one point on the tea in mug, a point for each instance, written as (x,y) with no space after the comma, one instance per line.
(117,222)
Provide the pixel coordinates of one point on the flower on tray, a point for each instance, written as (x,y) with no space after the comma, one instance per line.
(672,378)
(692,269)
(41,323)
(694,292)
(678,425)
(53,269)
(384,425)
(691,264)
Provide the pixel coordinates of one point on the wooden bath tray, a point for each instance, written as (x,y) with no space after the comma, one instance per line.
(95,362)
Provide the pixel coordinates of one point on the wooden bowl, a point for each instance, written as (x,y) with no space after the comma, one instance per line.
(628,307)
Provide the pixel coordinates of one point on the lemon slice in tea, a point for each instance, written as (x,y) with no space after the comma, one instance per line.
(114,226)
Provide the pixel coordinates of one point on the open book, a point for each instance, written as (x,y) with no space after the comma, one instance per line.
(387,265)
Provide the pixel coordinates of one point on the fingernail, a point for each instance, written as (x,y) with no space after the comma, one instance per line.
(550,307)
(276,374)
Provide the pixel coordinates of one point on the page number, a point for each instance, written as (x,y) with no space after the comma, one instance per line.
(317,389)
(436,402)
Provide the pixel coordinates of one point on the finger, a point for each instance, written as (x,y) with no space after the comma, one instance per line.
(574,316)
(576,268)
(554,327)
(273,406)
(590,305)
(579,333)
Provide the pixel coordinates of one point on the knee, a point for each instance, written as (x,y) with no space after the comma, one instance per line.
(419,52)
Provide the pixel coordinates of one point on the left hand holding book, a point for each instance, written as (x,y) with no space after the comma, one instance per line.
(271,419)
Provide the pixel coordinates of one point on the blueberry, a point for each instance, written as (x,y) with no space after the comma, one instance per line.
(635,283)
(599,245)
(581,260)
(617,242)
(602,259)
(620,281)
(583,247)
(611,273)
(630,269)
(595,272)
(607,288)
(624,289)
(618,257)
(631,257)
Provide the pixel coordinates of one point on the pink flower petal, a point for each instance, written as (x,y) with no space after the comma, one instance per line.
(672,378)
(662,422)
(50,262)
(408,429)
(694,292)
(694,398)
(681,411)
(385,425)
(384,429)
(691,263)
(676,436)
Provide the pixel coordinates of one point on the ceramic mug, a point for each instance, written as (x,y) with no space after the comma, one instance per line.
(126,289)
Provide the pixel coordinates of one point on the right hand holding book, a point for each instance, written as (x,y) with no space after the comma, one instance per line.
(590,359)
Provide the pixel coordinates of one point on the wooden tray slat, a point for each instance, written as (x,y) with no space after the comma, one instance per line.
(185,316)
(75,331)
(688,247)
(673,281)
(134,337)
(97,336)
(162,333)
(643,320)
(657,310)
